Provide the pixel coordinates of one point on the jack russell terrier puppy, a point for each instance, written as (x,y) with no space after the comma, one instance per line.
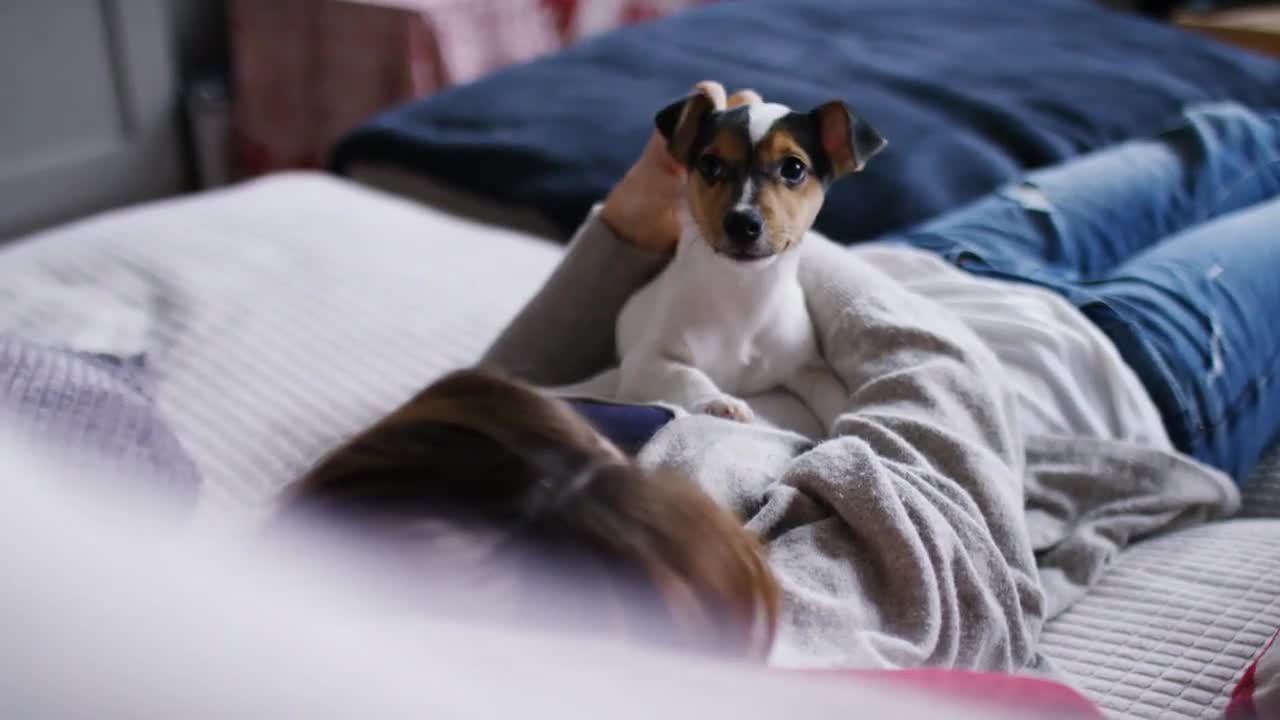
(727,317)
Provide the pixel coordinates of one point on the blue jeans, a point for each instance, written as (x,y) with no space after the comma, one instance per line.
(1171,245)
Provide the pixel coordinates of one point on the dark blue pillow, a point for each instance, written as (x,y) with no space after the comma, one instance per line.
(629,427)
(969,94)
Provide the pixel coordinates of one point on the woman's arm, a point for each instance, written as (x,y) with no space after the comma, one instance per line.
(921,478)
(566,332)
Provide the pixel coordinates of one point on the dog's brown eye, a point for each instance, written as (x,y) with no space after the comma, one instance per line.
(710,167)
(792,169)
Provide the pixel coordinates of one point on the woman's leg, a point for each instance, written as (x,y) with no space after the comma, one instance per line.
(1170,246)
(1080,220)
(1198,318)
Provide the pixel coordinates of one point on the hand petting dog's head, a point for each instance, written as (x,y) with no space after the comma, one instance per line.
(758,172)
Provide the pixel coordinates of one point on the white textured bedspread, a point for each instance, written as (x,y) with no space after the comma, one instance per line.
(281,315)
(276,317)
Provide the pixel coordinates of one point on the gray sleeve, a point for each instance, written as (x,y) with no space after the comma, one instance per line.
(565,334)
(910,516)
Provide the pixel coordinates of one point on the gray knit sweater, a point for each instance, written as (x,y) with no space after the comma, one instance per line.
(924,528)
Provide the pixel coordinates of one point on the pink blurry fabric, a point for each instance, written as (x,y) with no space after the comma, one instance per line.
(306,71)
(1257,695)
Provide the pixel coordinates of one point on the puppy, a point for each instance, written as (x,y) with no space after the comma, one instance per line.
(727,317)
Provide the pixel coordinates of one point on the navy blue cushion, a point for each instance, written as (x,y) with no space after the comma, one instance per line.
(629,427)
(969,94)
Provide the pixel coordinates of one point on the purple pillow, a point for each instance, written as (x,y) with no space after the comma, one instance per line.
(98,405)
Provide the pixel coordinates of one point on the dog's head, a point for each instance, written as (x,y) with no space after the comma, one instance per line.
(758,173)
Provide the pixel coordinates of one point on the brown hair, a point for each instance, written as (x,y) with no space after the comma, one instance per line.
(498,457)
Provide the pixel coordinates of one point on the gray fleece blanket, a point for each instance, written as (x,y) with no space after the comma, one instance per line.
(919,527)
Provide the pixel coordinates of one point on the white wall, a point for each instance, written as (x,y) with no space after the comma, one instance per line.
(91,98)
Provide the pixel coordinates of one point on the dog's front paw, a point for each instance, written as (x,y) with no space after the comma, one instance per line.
(727,407)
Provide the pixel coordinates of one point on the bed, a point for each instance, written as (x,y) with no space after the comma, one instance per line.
(281,315)
(277,317)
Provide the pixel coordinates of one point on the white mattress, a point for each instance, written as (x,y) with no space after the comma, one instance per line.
(278,316)
(282,315)
(1174,622)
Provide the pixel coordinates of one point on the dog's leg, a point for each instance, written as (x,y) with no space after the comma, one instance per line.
(654,379)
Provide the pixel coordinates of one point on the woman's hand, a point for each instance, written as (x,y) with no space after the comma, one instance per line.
(642,207)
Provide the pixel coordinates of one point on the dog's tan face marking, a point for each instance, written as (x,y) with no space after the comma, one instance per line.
(759,172)
(711,198)
(750,177)
(788,209)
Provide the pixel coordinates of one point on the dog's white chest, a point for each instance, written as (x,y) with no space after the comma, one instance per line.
(747,329)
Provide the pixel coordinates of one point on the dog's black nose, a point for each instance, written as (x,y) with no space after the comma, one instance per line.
(743,226)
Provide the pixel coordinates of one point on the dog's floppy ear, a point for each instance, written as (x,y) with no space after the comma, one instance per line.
(680,121)
(846,139)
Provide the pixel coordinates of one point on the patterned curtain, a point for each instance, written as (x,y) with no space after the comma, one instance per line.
(306,71)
